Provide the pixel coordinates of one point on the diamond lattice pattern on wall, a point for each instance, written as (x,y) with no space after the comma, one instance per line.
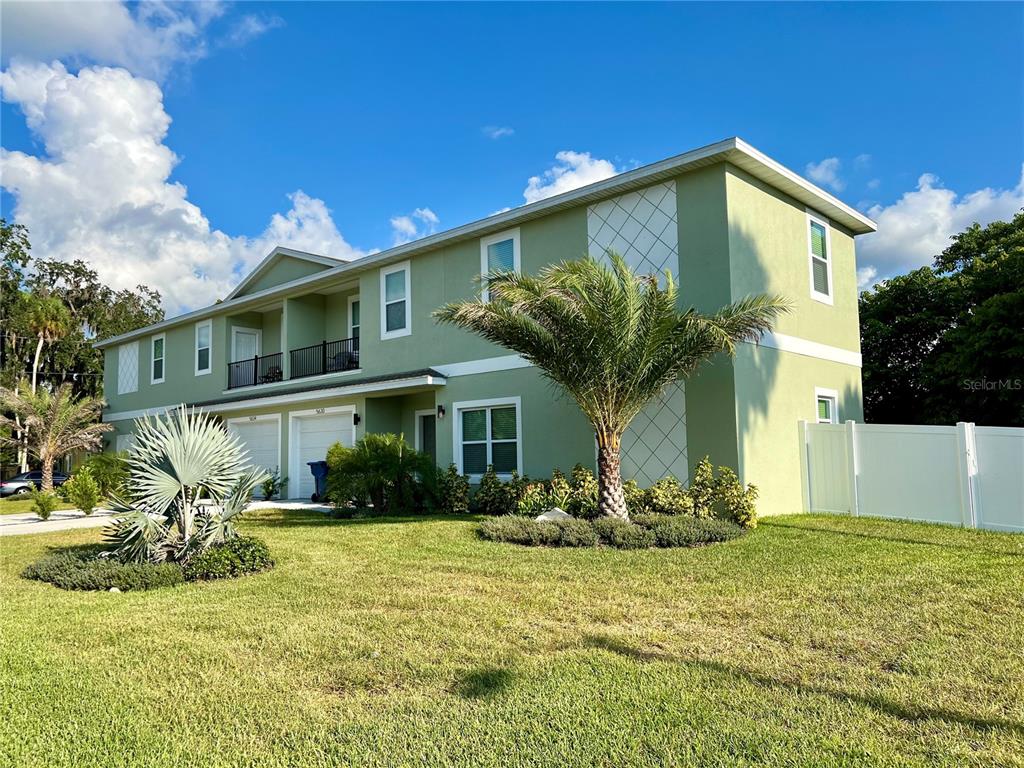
(642,226)
(128,368)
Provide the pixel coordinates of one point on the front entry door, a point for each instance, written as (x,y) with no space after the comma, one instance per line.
(428,435)
(247,344)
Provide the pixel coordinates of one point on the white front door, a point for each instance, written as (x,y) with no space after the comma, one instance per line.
(245,344)
(311,435)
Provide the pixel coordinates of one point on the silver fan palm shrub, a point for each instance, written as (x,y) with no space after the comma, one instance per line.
(188,484)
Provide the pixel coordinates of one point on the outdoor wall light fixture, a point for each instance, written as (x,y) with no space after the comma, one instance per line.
(356,418)
(440,412)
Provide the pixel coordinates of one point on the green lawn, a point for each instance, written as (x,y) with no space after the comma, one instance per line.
(812,642)
(23,504)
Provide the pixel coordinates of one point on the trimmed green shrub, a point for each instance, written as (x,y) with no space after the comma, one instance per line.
(452,491)
(668,497)
(737,503)
(86,570)
(516,529)
(559,490)
(82,490)
(702,489)
(575,533)
(381,468)
(235,557)
(110,471)
(44,503)
(622,534)
(682,531)
(536,500)
(583,493)
(494,497)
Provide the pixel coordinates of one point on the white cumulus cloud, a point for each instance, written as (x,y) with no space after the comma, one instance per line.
(420,223)
(917,227)
(102,190)
(827,172)
(570,171)
(147,38)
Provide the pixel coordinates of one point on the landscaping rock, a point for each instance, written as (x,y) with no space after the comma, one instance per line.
(113,589)
(554,514)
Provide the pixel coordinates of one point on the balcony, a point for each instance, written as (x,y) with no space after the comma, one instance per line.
(316,360)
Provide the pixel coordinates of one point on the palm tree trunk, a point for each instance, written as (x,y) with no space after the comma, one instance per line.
(47,484)
(611,501)
(35,363)
(22,435)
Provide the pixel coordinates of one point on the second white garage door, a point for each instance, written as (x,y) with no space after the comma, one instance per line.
(261,437)
(312,433)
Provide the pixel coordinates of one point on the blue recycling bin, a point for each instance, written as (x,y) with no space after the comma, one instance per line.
(319,470)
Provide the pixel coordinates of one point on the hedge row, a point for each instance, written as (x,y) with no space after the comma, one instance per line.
(88,569)
(642,532)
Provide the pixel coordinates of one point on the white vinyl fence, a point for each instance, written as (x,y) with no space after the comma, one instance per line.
(963,475)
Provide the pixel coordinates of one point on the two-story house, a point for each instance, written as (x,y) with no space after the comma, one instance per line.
(309,350)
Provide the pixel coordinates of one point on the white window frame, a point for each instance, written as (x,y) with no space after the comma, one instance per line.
(832,396)
(384,272)
(195,349)
(812,217)
(234,346)
(473,405)
(418,433)
(352,300)
(133,385)
(153,358)
(508,234)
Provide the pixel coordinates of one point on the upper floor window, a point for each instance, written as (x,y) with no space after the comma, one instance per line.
(128,368)
(353,318)
(499,253)
(157,366)
(826,406)
(395,309)
(819,247)
(487,432)
(204,347)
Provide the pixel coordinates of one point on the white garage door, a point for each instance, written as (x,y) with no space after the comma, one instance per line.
(261,437)
(312,435)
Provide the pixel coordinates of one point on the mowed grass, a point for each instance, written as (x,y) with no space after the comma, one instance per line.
(811,642)
(22,504)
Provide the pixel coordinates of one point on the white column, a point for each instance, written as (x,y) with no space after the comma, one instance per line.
(852,467)
(970,513)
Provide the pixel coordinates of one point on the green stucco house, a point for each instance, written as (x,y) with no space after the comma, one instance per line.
(309,350)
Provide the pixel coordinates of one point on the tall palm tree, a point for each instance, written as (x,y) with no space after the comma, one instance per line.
(48,319)
(612,339)
(56,423)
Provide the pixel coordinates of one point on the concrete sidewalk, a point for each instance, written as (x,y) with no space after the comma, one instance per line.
(61,520)
(69,519)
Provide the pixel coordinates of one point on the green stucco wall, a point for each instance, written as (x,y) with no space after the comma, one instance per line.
(284,270)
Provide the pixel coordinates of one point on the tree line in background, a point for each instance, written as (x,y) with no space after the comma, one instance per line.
(51,313)
(945,343)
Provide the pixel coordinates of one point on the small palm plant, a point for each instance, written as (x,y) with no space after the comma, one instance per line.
(610,338)
(188,484)
(53,423)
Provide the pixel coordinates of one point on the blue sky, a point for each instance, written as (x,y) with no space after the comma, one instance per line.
(912,112)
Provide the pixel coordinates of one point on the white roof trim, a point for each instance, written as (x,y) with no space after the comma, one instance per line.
(275,256)
(309,395)
(734,150)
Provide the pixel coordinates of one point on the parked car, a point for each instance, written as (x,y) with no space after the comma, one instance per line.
(24,482)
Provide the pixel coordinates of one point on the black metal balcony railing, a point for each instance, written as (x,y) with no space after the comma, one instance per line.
(325,357)
(256,370)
